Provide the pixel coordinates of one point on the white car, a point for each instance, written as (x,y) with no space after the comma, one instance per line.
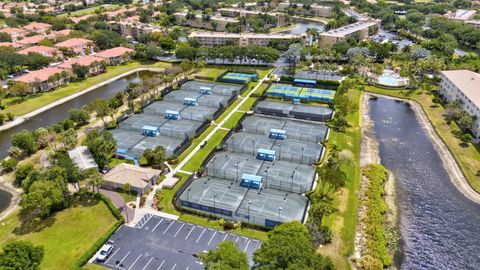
(105,251)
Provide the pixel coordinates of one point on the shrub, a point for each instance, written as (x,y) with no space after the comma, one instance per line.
(9,164)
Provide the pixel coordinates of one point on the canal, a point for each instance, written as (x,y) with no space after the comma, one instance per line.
(60,112)
(439,225)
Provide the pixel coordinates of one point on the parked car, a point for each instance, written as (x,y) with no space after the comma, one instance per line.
(105,251)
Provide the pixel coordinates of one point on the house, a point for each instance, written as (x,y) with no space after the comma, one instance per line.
(234,12)
(40,28)
(30,41)
(43,50)
(140,179)
(116,55)
(463,85)
(77,45)
(10,44)
(61,33)
(215,22)
(306,10)
(240,39)
(82,158)
(45,79)
(95,64)
(14,33)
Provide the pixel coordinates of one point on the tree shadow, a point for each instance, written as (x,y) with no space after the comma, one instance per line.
(30,224)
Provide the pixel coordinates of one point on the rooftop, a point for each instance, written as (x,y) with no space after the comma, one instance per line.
(37,25)
(40,75)
(135,176)
(468,82)
(73,42)
(11,44)
(11,30)
(38,49)
(114,52)
(82,157)
(462,14)
(240,35)
(81,61)
(350,29)
(32,40)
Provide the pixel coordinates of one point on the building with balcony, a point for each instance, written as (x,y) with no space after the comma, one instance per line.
(360,30)
(241,39)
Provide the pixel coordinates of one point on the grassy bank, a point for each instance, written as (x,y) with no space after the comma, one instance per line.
(467,157)
(343,222)
(19,106)
(65,235)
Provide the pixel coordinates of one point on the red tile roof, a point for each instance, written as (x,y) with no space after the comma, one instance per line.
(38,75)
(11,30)
(32,40)
(36,25)
(39,49)
(7,44)
(73,42)
(114,52)
(61,33)
(82,61)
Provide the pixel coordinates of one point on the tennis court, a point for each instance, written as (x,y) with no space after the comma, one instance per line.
(215,88)
(286,91)
(169,143)
(299,111)
(265,207)
(237,77)
(137,121)
(210,100)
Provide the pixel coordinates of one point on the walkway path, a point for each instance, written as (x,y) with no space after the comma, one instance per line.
(20,119)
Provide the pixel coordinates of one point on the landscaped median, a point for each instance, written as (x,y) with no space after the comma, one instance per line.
(467,156)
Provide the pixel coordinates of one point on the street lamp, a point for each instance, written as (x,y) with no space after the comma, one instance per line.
(293,175)
(249,202)
(213,165)
(302,153)
(280,152)
(279,210)
(266,176)
(214,199)
(253,147)
(237,170)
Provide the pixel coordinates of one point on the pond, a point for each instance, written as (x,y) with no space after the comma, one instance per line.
(60,112)
(438,224)
(301,27)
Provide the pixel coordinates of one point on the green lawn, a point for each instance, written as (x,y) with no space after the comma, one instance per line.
(468,157)
(19,107)
(92,266)
(196,161)
(343,222)
(90,10)
(65,236)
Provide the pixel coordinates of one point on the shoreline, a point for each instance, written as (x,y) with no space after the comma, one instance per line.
(14,200)
(369,154)
(22,118)
(450,164)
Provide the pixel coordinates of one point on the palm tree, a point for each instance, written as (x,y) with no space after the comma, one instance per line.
(95,180)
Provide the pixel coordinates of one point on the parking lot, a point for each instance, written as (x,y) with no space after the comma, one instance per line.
(158,243)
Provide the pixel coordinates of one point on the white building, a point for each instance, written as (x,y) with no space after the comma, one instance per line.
(465,86)
(361,30)
(241,39)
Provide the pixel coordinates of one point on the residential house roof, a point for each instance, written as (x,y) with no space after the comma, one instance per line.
(113,52)
(136,176)
(40,75)
(73,42)
(81,61)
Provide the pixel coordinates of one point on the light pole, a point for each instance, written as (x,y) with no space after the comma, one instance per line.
(293,175)
(302,154)
(214,199)
(266,176)
(253,147)
(280,152)
(237,170)
(213,165)
(249,202)
(279,210)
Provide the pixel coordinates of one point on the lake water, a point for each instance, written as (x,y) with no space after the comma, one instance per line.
(302,26)
(440,227)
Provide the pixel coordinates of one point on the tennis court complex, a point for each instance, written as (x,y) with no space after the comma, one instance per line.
(286,91)
(262,172)
(299,111)
(216,88)
(171,122)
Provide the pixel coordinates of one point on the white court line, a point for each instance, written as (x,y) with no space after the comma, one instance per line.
(211,238)
(160,266)
(193,228)
(201,235)
(236,240)
(112,255)
(225,237)
(174,266)
(179,230)
(161,220)
(145,267)
(187,268)
(135,261)
(164,232)
(245,249)
(128,253)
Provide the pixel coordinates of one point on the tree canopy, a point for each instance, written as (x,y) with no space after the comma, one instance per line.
(226,257)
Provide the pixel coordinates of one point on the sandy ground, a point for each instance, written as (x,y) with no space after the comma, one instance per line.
(7,185)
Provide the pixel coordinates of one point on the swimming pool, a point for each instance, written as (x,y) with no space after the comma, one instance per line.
(388,79)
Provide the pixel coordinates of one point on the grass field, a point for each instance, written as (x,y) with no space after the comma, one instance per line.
(19,107)
(89,10)
(65,235)
(468,157)
(343,222)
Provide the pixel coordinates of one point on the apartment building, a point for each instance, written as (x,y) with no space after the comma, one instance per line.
(131,29)
(14,33)
(95,64)
(361,30)
(215,22)
(42,79)
(40,28)
(234,12)
(242,39)
(43,50)
(461,15)
(115,56)
(465,86)
(306,10)
(77,45)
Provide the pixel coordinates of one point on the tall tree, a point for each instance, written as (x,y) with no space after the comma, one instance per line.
(21,255)
(101,108)
(226,257)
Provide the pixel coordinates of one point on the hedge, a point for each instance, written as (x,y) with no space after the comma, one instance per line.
(101,241)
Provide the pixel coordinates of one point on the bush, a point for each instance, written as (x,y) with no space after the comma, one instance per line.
(3,117)
(22,172)
(9,164)
(10,116)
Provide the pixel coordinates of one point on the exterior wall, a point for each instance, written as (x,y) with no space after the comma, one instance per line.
(46,85)
(199,23)
(314,10)
(240,40)
(113,185)
(450,92)
(327,40)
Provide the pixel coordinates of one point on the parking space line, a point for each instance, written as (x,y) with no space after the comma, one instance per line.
(193,228)
(171,223)
(201,235)
(128,253)
(236,240)
(145,267)
(225,237)
(212,238)
(245,249)
(174,266)
(157,225)
(112,255)
(188,268)
(160,266)
(179,230)
(138,258)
